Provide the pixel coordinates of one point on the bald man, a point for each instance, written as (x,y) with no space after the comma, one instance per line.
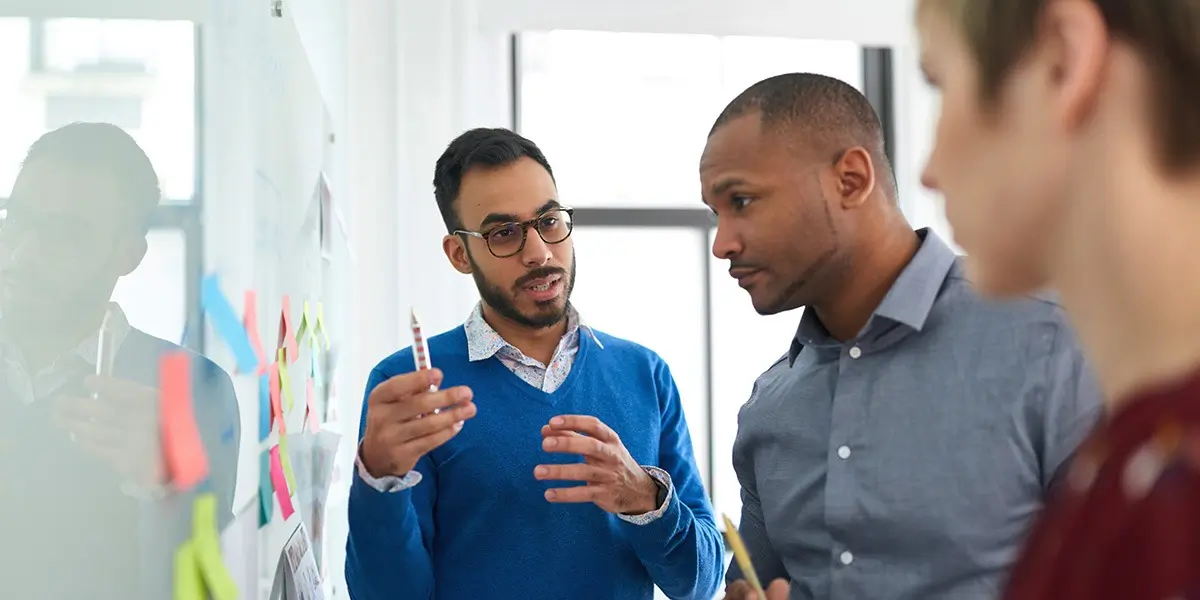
(905,440)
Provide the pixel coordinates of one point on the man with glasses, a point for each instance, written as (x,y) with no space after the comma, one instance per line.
(575,477)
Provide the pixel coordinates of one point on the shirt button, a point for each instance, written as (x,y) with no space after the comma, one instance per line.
(846,557)
(844,452)
(855,352)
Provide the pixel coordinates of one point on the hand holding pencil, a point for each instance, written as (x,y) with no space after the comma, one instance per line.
(749,588)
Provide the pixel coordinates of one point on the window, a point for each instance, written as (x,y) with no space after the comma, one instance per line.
(141,76)
(623,119)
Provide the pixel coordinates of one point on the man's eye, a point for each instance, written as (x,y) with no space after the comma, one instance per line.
(740,202)
(503,232)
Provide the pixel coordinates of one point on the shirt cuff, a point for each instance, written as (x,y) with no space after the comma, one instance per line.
(664,479)
(387,483)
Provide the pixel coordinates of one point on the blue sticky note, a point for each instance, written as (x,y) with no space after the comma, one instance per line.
(228,325)
(266,502)
(318,369)
(264,407)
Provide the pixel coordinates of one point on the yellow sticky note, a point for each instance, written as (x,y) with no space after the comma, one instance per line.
(306,322)
(188,582)
(287,463)
(321,325)
(207,547)
(285,382)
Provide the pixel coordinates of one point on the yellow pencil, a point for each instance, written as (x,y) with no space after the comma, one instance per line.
(742,557)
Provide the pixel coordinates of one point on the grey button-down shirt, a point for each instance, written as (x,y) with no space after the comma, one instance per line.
(907,463)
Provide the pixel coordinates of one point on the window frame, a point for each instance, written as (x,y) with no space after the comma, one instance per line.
(877,87)
(182,214)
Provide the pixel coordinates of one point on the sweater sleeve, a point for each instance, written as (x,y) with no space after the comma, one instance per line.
(682,550)
(391,533)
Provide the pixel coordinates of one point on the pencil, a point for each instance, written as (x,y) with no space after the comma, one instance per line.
(742,557)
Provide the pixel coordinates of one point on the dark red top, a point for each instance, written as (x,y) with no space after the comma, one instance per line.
(1126,524)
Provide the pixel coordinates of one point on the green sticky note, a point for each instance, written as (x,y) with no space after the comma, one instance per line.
(285,381)
(266,504)
(188,583)
(287,463)
(207,546)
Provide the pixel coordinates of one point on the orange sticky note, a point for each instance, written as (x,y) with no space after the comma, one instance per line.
(276,407)
(250,322)
(184,452)
(311,408)
(281,485)
(287,336)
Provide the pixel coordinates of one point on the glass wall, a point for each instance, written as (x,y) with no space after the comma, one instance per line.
(623,118)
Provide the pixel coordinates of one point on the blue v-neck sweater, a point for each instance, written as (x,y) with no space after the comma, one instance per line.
(478,527)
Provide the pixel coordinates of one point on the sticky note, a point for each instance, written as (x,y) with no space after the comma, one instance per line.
(182,448)
(321,325)
(286,462)
(276,408)
(310,409)
(285,383)
(265,506)
(189,583)
(228,325)
(279,481)
(207,546)
(250,323)
(287,337)
(315,370)
(306,322)
(264,406)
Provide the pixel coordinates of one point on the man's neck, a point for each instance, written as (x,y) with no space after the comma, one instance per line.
(1128,272)
(40,346)
(538,344)
(873,271)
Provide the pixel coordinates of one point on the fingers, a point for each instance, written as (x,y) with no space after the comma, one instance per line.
(423,445)
(779,590)
(739,590)
(119,388)
(588,447)
(404,386)
(586,425)
(432,423)
(548,431)
(574,495)
(574,472)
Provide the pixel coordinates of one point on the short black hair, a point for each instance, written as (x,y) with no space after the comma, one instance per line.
(106,148)
(829,111)
(486,148)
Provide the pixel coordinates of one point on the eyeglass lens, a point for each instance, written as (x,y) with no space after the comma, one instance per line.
(553,227)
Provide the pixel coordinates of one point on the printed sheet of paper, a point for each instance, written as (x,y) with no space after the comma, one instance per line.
(303,576)
(183,449)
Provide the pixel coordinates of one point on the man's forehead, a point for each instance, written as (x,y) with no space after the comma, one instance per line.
(518,189)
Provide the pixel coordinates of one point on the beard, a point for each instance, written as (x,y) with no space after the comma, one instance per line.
(548,314)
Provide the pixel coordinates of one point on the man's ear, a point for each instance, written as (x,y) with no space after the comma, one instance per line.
(131,255)
(456,252)
(855,172)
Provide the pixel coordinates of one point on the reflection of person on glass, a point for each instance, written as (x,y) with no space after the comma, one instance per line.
(84,481)
(1068,150)
(576,478)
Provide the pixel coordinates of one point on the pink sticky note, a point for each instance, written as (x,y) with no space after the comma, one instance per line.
(310,417)
(287,335)
(250,322)
(280,482)
(184,452)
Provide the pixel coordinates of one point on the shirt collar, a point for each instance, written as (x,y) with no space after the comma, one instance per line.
(908,302)
(483,342)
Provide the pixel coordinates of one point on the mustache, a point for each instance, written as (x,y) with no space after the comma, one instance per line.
(539,273)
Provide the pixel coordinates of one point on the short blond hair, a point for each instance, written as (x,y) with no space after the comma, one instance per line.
(1166,33)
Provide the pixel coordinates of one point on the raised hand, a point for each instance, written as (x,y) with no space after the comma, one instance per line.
(402,425)
(614,481)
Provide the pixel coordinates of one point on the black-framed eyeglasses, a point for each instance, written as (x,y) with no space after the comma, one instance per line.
(508,239)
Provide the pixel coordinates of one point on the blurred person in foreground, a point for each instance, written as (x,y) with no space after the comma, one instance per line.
(905,442)
(563,467)
(88,511)
(1068,150)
